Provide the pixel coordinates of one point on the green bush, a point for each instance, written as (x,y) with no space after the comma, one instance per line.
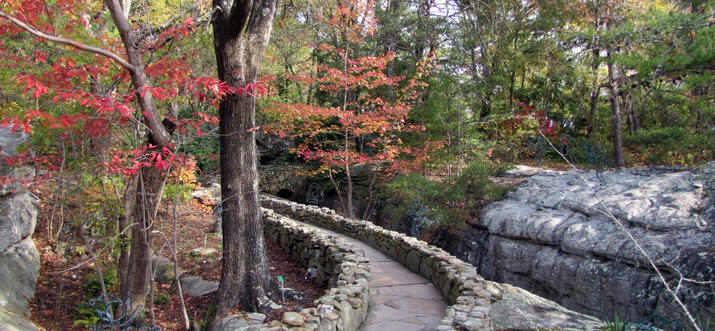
(111,279)
(617,324)
(655,137)
(450,201)
(586,151)
(182,192)
(672,146)
(84,315)
(205,150)
(162,298)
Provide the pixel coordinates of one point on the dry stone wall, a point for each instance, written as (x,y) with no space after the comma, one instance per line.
(476,304)
(339,264)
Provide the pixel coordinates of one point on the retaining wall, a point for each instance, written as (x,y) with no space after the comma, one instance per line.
(464,289)
(339,264)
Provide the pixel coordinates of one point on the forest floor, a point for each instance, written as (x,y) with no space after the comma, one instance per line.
(68,278)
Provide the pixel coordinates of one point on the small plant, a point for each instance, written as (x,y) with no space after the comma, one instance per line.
(616,324)
(110,277)
(84,315)
(162,298)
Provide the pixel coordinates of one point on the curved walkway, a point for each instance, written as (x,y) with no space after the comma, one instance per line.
(399,298)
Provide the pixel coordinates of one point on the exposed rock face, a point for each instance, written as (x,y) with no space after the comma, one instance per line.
(19,260)
(553,237)
(283,181)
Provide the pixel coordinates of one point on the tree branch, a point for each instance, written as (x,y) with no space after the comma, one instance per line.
(259,18)
(239,15)
(68,42)
(152,30)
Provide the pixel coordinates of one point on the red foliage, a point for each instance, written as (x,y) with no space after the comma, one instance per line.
(86,96)
(364,128)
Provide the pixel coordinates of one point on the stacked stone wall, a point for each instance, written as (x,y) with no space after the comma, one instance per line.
(458,281)
(339,264)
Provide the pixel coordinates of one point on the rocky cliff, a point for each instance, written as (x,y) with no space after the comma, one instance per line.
(553,236)
(19,260)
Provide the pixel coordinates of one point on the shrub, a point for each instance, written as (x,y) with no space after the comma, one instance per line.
(669,146)
(448,202)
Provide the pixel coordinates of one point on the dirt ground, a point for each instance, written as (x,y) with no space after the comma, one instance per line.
(68,276)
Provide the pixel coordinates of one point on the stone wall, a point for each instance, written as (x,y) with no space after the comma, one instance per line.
(476,304)
(339,264)
(19,260)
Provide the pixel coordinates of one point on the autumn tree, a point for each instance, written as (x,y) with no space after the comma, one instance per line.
(361,125)
(240,42)
(134,266)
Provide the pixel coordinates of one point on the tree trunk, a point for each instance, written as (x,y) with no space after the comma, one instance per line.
(125,222)
(136,277)
(595,92)
(241,34)
(616,117)
(349,213)
(149,187)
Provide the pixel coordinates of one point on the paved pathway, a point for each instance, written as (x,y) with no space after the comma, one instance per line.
(400,300)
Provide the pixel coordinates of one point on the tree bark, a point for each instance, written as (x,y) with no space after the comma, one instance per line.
(241,34)
(616,118)
(149,186)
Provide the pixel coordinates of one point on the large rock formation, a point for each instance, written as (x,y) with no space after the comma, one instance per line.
(553,236)
(19,260)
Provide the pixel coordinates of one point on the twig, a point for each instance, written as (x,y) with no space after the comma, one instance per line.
(68,42)
(628,234)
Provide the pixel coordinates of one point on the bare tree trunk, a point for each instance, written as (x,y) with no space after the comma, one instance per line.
(349,193)
(241,33)
(617,122)
(125,221)
(595,92)
(136,278)
(147,197)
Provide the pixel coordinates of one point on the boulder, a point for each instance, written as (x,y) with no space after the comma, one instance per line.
(163,270)
(19,260)
(555,238)
(208,195)
(236,323)
(19,272)
(518,309)
(18,215)
(196,286)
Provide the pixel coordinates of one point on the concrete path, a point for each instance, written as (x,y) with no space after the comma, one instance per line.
(400,300)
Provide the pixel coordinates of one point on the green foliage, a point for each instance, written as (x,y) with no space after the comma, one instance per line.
(666,137)
(205,150)
(162,298)
(111,281)
(84,315)
(182,192)
(616,324)
(451,201)
(704,324)
(670,146)
(583,150)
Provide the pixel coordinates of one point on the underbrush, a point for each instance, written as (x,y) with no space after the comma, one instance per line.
(447,202)
(669,146)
